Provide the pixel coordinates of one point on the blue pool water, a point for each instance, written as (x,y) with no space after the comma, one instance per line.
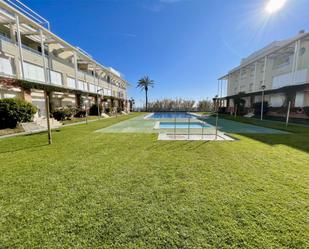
(182,125)
(158,115)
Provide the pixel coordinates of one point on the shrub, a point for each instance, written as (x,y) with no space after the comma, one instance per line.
(94,110)
(107,109)
(239,103)
(306,109)
(63,113)
(258,105)
(222,110)
(14,111)
(80,113)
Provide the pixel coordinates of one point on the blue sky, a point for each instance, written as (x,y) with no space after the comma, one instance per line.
(184,45)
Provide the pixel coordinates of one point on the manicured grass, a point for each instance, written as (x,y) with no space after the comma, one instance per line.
(101,190)
(9,131)
(76,120)
(295,128)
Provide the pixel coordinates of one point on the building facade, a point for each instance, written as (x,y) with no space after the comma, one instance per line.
(34,62)
(279,71)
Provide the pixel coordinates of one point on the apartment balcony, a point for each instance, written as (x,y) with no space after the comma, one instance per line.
(60,73)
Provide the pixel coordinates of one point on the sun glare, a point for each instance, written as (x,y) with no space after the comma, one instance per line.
(274,5)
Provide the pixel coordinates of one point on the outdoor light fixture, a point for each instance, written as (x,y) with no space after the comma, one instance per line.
(274,5)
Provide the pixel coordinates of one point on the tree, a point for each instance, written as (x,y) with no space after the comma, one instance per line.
(144,84)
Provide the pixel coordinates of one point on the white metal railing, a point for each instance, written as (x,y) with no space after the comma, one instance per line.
(29,12)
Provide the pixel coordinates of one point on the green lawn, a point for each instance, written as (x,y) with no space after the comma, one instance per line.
(76,120)
(109,190)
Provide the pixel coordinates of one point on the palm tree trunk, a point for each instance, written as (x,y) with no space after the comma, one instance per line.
(146,100)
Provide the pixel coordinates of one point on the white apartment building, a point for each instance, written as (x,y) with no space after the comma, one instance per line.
(281,69)
(35,62)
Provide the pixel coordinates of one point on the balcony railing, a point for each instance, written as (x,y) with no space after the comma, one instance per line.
(91,88)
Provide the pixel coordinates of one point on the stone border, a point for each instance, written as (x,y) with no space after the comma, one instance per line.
(157,125)
(148,115)
(185,137)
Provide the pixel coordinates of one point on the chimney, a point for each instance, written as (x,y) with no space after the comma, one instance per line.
(302,31)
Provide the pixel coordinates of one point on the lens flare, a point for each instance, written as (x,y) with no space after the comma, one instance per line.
(274,5)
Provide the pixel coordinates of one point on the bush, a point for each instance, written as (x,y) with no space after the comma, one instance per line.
(80,113)
(306,109)
(222,110)
(257,107)
(107,110)
(63,113)
(94,110)
(14,111)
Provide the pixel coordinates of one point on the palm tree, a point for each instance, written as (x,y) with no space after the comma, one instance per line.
(144,84)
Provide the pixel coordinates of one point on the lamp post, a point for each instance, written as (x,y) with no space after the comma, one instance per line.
(262,102)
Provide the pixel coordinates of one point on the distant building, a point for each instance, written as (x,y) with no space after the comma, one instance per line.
(35,62)
(281,68)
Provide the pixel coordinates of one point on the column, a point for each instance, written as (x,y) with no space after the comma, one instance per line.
(254,77)
(43,58)
(21,58)
(75,69)
(12,33)
(295,61)
(239,82)
(264,73)
(94,68)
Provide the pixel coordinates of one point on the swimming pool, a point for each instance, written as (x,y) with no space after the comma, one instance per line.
(161,115)
(182,125)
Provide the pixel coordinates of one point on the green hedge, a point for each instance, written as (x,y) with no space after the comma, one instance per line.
(14,111)
(63,113)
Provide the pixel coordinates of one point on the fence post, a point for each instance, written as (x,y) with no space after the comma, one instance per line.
(217,125)
(189,128)
(175,126)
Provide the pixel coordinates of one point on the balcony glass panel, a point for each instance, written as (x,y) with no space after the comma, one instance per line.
(33,72)
(55,78)
(6,66)
(71,82)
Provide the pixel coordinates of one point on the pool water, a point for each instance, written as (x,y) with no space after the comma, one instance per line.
(158,115)
(182,125)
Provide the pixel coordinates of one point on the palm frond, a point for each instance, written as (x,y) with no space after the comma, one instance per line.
(145,82)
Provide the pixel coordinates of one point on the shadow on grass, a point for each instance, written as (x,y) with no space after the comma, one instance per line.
(296,141)
(28,142)
(266,131)
(174,145)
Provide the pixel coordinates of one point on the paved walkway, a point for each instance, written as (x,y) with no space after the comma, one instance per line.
(134,125)
(140,125)
(231,126)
